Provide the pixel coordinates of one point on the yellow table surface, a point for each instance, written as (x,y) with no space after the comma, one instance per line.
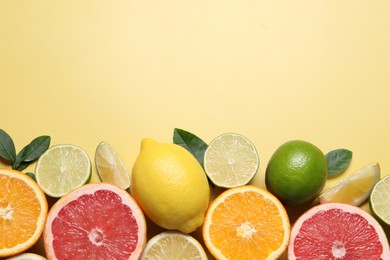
(90,71)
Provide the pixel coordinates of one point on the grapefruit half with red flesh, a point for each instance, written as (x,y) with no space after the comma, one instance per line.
(96,221)
(337,231)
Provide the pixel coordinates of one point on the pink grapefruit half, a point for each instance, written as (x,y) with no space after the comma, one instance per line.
(96,221)
(337,231)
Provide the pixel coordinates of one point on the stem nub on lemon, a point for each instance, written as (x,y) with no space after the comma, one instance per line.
(170,186)
(296,172)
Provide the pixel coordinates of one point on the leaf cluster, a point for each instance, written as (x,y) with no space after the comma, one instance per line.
(30,153)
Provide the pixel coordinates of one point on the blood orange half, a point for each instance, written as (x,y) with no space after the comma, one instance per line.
(96,221)
(337,231)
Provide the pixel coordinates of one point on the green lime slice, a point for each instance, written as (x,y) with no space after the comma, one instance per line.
(110,166)
(380,200)
(61,169)
(231,160)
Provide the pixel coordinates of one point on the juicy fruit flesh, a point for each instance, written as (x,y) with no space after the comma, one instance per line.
(95,226)
(110,166)
(380,198)
(355,189)
(173,246)
(19,211)
(353,192)
(255,231)
(335,233)
(61,169)
(231,160)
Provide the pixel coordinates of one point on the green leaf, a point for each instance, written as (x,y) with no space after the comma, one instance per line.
(7,147)
(338,160)
(31,175)
(32,151)
(21,166)
(191,142)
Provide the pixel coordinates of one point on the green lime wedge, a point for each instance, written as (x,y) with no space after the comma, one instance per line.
(380,200)
(231,160)
(61,169)
(110,166)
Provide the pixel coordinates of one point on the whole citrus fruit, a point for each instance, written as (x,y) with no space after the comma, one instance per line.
(170,186)
(296,172)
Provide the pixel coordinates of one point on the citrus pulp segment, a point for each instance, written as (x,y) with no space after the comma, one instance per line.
(380,200)
(27,256)
(110,167)
(246,222)
(171,245)
(337,231)
(355,189)
(96,221)
(61,169)
(231,160)
(23,210)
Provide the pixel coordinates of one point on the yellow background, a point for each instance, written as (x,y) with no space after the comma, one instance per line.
(119,71)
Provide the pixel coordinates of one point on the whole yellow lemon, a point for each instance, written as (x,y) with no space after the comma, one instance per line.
(170,186)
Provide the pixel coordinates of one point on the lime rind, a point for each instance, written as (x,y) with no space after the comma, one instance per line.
(62,168)
(380,201)
(231,160)
(110,166)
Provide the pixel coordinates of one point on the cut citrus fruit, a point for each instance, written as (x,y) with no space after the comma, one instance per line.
(380,200)
(355,189)
(173,245)
(96,221)
(110,167)
(231,160)
(246,222)
(27,256)
(337,231)
(23,210)
(61,169)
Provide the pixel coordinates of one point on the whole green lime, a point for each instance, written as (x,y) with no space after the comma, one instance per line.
(296,172)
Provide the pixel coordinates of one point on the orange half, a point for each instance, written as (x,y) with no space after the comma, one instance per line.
(23,210)
(246,222)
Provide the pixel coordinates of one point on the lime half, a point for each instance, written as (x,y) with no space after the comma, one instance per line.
(61,169)
(173,245)
(380,200)
(231,160)
(110,166)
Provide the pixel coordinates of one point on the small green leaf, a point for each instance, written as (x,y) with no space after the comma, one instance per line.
(191,142)
(31,175)
(338,160)
(32,151)
(21,166)
(7,147)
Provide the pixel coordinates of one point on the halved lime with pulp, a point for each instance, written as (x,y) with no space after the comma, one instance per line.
(61,169)
(110,166)
(231,160)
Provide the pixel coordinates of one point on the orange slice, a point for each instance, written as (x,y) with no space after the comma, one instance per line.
(23,210)
(246,222)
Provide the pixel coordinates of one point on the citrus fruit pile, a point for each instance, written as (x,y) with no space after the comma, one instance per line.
(192,200)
